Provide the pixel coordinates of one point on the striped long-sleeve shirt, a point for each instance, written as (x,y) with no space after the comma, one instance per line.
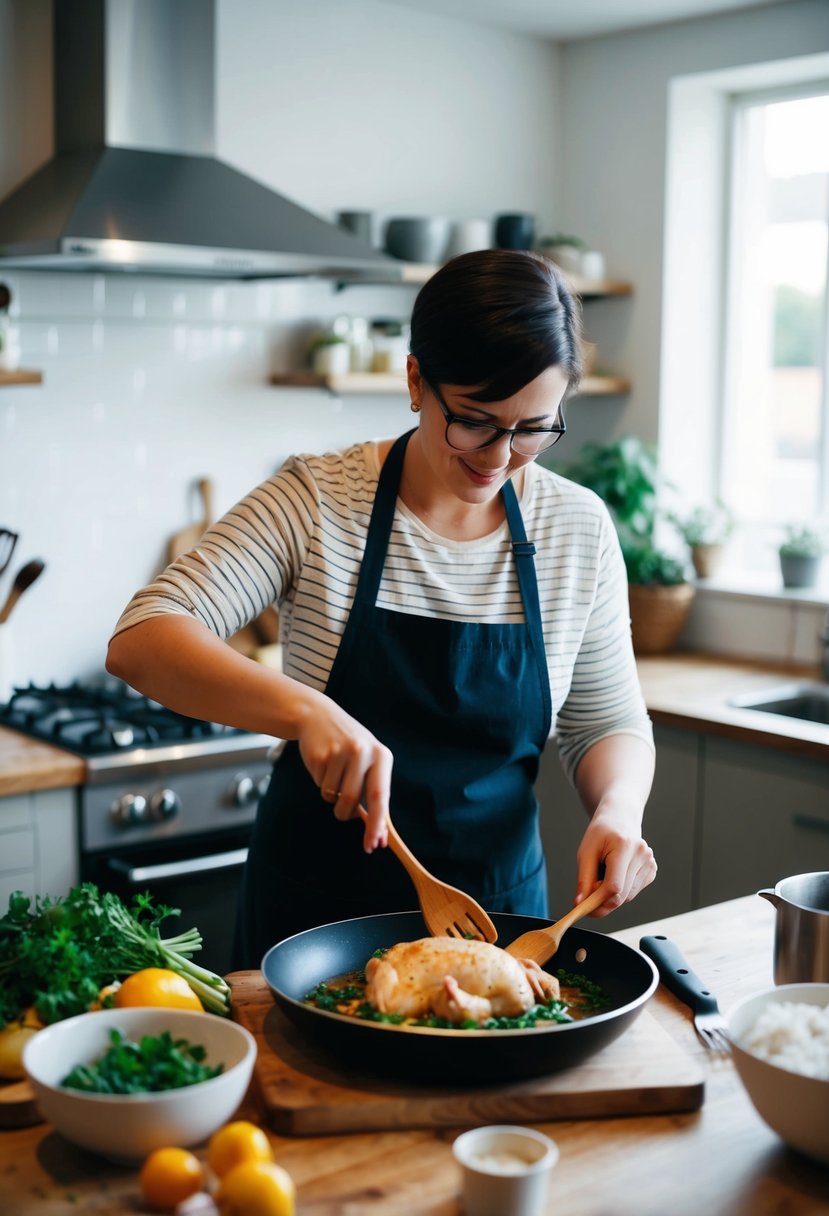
(297,541)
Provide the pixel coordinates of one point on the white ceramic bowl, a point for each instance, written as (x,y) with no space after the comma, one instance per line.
(126,1127)
(505,1170)
(793,1105)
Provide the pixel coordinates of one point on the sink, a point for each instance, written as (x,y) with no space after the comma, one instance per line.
(806,699)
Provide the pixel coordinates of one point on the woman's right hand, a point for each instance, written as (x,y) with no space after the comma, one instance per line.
(349,765)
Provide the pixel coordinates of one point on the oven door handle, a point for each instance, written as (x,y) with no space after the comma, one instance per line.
(177,869)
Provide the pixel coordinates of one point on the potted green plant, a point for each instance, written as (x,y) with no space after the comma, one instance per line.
(564,250)
(625,474)
(800,554)
(705,529)
(329,354)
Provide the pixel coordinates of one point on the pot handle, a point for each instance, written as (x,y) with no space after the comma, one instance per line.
(771,895)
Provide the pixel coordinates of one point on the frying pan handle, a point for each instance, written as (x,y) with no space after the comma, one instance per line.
(677,976)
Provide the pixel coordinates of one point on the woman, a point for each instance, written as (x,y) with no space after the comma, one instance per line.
(428,644)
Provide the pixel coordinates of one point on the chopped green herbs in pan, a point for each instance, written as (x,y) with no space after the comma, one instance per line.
(580,998)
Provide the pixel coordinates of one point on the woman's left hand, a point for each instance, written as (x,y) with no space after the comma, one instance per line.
(614,780)
(626,859)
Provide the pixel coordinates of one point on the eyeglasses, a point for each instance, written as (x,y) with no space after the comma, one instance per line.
(469,435)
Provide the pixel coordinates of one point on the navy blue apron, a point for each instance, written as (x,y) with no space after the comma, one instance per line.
(465,709)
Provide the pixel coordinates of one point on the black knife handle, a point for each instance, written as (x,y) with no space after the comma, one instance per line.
(677,975)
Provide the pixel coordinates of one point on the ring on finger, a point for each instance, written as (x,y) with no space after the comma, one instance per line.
(332,793)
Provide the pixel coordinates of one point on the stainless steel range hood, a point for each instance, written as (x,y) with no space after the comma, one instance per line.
(134,184)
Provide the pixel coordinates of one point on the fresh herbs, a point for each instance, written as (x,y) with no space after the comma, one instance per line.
(58,954)
(156,1063)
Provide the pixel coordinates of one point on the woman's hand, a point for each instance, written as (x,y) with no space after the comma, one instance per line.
(349,765)
(625,858)
(613,780)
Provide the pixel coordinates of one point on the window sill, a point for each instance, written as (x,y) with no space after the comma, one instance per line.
(764,587)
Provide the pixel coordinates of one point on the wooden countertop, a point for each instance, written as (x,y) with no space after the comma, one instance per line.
(721,1159)
(27,764)
(692,691)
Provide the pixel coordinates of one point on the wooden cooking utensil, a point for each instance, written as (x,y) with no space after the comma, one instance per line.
(187,538)
(541,944)
(24,578)
(447,912)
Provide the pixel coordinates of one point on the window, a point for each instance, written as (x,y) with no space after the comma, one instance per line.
(774,424)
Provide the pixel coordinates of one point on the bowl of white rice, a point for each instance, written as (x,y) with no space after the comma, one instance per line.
(780,1047)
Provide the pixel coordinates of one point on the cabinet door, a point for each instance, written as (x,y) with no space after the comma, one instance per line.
(669,828)
(765,816)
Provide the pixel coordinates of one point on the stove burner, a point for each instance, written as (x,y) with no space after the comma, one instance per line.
(92,720)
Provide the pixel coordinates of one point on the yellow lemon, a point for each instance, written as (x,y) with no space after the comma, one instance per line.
(156,986)
(236,1143)
(257,1188)
(169,1176)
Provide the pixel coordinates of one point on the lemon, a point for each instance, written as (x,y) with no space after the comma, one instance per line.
(157,986)
(169,1176)
(236,1143)
(257,1188)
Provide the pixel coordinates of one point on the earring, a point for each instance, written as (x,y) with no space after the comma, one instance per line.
(414,407)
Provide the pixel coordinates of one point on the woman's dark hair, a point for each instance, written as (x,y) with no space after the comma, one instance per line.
(496,319)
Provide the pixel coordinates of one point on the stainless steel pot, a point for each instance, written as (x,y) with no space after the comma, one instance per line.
(801,935)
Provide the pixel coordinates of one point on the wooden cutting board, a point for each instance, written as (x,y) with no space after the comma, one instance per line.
(642,1072)
(187,538)
(17,1105)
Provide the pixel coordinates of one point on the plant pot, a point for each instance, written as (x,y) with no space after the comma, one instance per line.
(707,559)
(799,571)
(658,615)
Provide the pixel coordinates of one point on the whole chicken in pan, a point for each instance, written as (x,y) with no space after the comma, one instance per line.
(456,979)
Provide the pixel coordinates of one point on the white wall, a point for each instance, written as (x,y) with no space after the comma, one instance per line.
(151,383)
(613,167)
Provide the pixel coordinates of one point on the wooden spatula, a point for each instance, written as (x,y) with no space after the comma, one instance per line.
(541,944)
(187,538)
(447,912)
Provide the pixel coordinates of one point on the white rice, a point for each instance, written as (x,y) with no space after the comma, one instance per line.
(792,1036)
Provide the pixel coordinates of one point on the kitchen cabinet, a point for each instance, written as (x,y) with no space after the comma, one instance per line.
(38,849)
(765,814)
(670,829)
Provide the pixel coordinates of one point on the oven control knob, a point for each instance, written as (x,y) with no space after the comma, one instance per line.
(129,810)
(166,804)
(244,790)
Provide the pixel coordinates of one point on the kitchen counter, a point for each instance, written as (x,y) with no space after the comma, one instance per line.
(721,1159)
(692,691)
(27,764)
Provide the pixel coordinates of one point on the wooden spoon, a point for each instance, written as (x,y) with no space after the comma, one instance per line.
(24,578)
(446,911)
(539,945)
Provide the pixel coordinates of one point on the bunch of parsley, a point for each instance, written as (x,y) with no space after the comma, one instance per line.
(58,953)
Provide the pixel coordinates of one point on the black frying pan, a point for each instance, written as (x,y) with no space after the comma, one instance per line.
(296,965)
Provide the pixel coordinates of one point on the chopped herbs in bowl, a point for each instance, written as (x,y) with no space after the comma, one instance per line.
(153,1064)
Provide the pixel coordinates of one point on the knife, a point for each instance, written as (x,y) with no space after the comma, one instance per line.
(677,976)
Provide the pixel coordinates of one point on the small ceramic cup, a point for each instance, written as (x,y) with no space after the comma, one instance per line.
(506,1170)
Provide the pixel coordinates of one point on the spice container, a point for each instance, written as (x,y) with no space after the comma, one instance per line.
(390,342)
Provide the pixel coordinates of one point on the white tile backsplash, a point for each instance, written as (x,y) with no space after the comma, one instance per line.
(149,384)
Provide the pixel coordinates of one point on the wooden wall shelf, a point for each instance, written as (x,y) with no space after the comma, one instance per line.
(378,382)
(20,377)
(416,273)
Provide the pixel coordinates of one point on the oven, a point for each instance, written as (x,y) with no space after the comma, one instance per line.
(168,803)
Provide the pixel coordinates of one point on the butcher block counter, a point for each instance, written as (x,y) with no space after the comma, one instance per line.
(719,1159)
(27,764)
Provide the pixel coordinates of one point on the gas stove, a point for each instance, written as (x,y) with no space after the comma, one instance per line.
(167,804)
(115,728)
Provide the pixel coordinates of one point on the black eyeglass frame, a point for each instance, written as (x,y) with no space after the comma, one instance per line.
(512,431)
